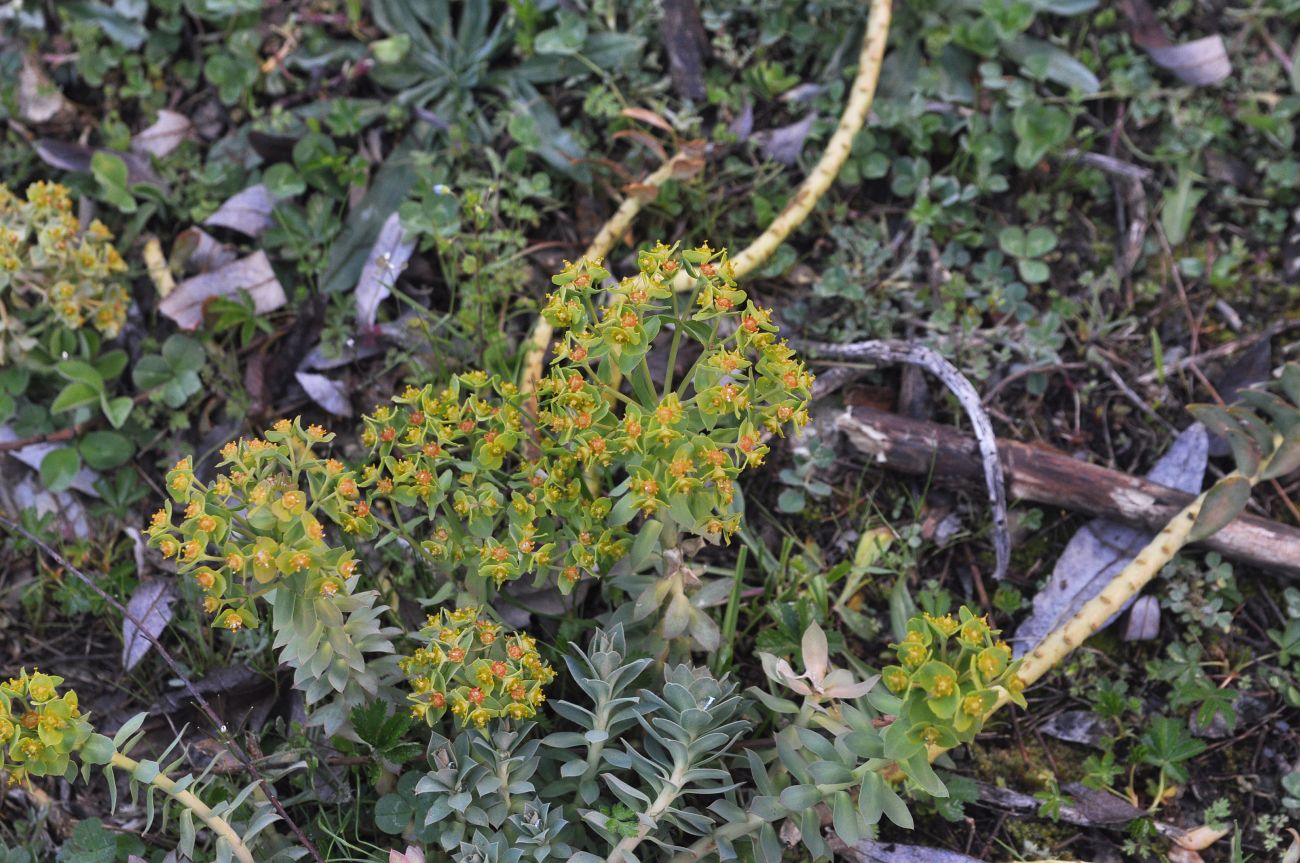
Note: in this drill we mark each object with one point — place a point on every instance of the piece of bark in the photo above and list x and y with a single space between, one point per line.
687 45
1047 477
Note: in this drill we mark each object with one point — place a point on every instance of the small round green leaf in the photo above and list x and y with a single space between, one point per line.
103 450
59 468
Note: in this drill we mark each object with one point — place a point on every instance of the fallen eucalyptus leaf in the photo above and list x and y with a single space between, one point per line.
1200 62
1101 548
1088 807
78 157
1078 726
164 136
329 394
386 261
1143 620
389 188
151 604
196 251
248 212
870 851
785 144
253 274
39 99
33 454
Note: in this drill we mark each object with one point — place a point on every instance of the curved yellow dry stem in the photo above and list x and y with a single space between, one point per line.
1128 583
214 822
801 204
837 149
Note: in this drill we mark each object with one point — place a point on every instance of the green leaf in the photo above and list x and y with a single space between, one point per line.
7 407
1222 504
393 813
117 410
111 174
184 354
1168 743
830 773
391 50
59 468
1033 272
282 181
1039 129
150 372
1286 457
92 842
644 544
74 395
791 500
76 370
104 450
796 798
97 749
565 38
1052 63
1180 206
111 364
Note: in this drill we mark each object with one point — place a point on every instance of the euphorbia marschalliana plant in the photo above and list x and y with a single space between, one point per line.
501 489
54 275
259 530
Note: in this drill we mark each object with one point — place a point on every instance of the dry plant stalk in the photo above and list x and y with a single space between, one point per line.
214 822
801 204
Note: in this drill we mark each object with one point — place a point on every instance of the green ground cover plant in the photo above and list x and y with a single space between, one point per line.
420 430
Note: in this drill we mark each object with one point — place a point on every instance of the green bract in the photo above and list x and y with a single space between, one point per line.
40 729
471 668
949 676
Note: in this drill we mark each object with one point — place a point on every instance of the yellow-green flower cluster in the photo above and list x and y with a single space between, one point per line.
681 446
501 504
550 487
261 524
39 728
472 668
52 272
948 674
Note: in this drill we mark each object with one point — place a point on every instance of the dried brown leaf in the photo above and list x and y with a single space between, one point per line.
185 305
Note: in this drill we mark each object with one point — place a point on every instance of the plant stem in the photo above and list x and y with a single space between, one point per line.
1062 641
672 789
214 822
705 844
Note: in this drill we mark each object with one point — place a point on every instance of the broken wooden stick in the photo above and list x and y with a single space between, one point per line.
1053 478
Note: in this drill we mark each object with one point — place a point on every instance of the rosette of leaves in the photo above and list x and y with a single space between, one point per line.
533 835
55 276
445 56
477 781
605 674
261 529
490 500
690 724
831 749
473 670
